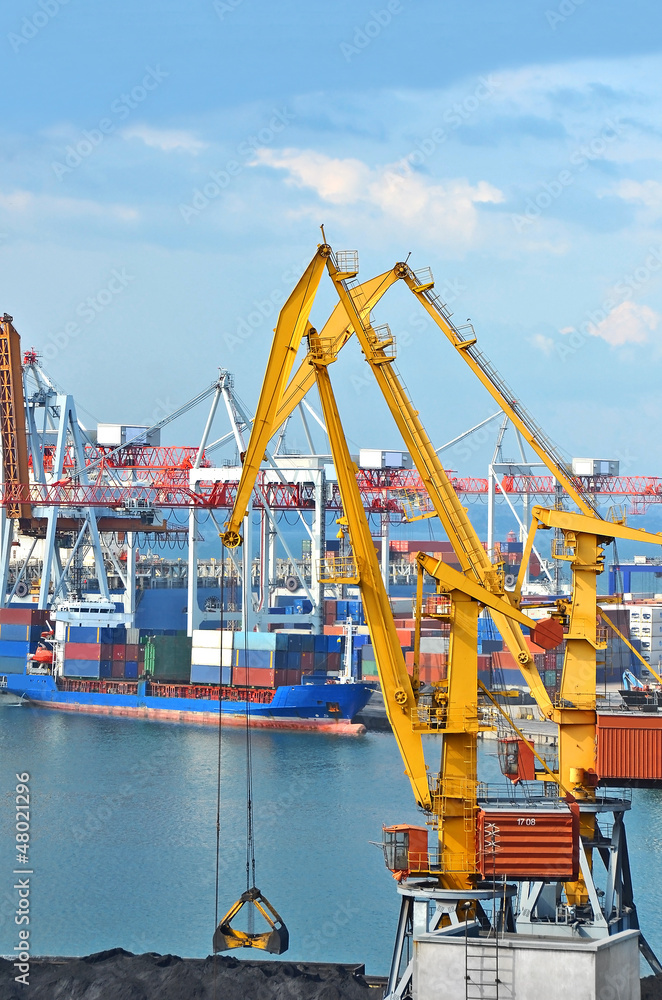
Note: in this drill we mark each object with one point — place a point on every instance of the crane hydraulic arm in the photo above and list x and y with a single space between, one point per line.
377 347
338 329
396 685
290 328
421 284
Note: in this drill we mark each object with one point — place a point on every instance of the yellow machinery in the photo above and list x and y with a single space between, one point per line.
450 798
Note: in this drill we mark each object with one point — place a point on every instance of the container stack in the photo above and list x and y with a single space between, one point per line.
20 632
88 651
168 658
211 657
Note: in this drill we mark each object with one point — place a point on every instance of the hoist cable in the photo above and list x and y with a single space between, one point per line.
218 767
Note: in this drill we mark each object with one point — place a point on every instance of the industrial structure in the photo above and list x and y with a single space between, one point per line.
537 848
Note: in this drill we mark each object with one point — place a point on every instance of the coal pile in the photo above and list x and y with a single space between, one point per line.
651 988
119 975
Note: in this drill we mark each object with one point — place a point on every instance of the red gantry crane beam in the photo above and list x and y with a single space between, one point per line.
380 490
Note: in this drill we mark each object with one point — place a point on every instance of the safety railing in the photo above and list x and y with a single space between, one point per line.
338 569
347 261
436 606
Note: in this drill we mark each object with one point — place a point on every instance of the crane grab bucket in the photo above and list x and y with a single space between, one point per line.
276 940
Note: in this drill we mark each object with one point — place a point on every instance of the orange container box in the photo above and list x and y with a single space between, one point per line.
630 748
529 843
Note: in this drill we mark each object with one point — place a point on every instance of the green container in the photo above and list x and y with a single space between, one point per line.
168 657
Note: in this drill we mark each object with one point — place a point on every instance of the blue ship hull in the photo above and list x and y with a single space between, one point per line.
321 707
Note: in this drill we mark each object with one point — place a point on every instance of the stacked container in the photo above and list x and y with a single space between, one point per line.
646 626
20 631
168 658
211 657
260 659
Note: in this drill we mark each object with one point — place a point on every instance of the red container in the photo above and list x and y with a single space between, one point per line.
293 677
132 650
24 616
534 843
484 663
255 676
82 651
117 668
630 747
308 662
119 652
333 662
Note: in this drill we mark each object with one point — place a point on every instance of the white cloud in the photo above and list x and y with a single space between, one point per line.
648 193
167 140
544 344
444 209
628 323
28 204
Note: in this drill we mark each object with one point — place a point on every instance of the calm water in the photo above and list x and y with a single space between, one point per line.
123 836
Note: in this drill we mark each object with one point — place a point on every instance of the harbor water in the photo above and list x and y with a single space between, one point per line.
123 836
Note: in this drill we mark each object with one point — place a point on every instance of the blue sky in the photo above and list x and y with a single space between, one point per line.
515 148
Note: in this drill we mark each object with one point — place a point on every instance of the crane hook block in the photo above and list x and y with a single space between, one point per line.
276 940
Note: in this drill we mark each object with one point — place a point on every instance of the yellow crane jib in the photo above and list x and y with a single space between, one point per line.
291 326
276 940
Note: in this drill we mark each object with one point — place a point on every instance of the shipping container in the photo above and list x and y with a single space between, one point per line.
201 673
24 616
213 639
13 664
119 652
270 641
168 657
531 843
87 651
117 668
629 747
89 633
254 659
13 649
131 670
93 669
21 633
262 678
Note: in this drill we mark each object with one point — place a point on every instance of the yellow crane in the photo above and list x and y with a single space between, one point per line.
450 798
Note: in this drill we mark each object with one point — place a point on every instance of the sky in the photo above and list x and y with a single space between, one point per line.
165 168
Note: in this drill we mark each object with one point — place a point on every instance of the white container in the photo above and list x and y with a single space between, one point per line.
211 657
212 639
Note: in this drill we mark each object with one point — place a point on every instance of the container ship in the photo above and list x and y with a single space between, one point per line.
281 680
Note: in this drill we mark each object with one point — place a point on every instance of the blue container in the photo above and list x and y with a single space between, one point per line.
83 633
257 658
13 664
20 633
319 661
119 634
307 643
280 659
360 640
319 643
294 660
83 668
13 649
335 643
131 670
105 668
341 610
201 674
